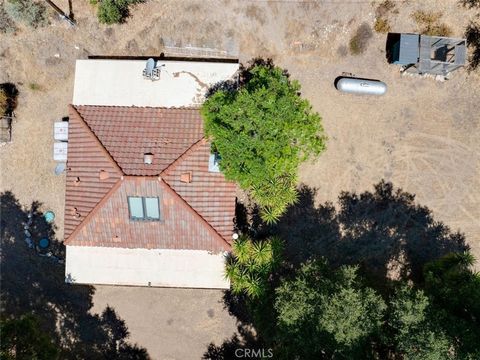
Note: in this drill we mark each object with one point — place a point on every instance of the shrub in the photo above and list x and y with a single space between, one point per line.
3 102
110 12
34 87
429 23
113 11
382 25
359 42
7 26
32 13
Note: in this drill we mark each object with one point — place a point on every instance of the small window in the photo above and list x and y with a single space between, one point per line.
213 162
135 204
144 208
151 208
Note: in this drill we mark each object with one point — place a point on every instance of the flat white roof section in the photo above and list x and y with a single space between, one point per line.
121 82
143 267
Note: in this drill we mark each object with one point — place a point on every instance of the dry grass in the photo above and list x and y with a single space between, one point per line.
382 25
429 24
253 12
384 8
34 87
3 102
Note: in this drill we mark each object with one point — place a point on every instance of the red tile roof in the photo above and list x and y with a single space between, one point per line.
208 192
129 132
112 140
86 158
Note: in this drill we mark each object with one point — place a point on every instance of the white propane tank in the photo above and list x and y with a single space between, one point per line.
361 86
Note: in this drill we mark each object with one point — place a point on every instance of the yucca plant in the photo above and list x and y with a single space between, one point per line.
274 198
251 264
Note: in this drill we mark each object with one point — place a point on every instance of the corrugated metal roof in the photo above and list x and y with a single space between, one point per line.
409 50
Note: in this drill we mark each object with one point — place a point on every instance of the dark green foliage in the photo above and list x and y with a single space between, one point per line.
113 11
415 334
263 130
23 339
455 289
312 312
30 12
251 264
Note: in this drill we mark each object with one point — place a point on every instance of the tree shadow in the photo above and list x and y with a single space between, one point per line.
11 92
472 34
36 284
470 4
234 348
384 231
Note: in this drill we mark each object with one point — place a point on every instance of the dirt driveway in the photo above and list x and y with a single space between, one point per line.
422 135
170 323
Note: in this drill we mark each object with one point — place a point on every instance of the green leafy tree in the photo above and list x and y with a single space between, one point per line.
455 290
251 265
321 311
262 131
416 334
23 339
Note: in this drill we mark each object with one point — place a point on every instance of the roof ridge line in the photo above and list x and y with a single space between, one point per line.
94 210
187 152
104 149
195 212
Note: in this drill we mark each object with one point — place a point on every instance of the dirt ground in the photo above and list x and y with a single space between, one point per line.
169 323
422 135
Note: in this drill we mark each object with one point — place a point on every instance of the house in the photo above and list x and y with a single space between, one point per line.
145 201
423 54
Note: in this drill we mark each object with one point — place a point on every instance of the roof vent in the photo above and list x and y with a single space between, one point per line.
77 181
186 177
74 212
148 158
103 175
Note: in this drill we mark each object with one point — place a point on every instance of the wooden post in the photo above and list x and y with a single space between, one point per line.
61 13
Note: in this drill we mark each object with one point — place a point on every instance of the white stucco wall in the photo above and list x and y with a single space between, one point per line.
160 267
121 83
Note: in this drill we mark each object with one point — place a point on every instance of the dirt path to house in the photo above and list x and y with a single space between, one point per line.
422 135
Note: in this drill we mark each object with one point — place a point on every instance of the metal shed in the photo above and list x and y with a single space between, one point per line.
425 54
